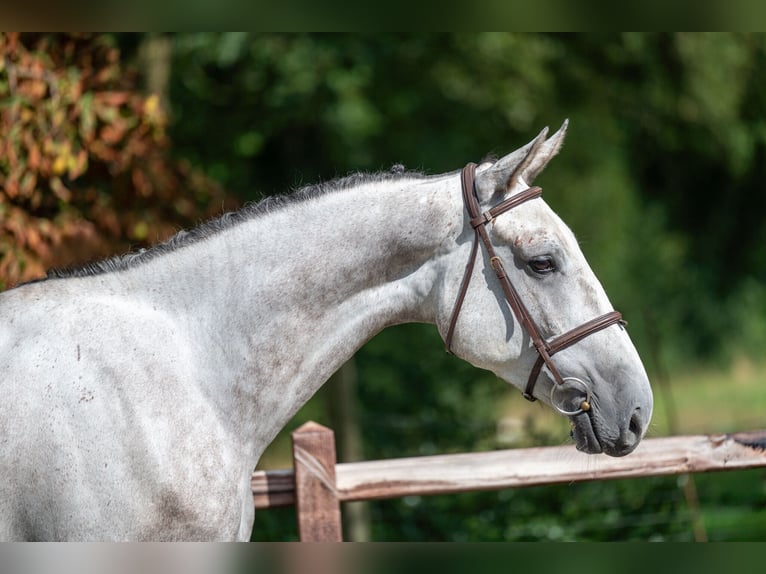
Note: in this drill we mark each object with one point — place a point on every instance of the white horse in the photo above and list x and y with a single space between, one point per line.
138 393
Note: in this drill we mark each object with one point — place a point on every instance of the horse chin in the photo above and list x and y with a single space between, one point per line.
584 435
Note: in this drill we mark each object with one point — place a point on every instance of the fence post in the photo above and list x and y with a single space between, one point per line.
316 498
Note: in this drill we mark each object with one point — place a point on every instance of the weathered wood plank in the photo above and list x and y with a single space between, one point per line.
547 465
273 488
316 496
445 474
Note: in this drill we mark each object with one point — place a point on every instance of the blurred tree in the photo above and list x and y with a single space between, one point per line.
84 168
293 108
688 114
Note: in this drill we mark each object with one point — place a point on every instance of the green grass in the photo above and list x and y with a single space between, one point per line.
734 523
714 400
698 401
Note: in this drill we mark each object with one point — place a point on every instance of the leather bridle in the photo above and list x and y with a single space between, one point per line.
545 349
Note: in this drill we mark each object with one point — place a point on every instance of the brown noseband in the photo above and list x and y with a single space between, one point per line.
545 349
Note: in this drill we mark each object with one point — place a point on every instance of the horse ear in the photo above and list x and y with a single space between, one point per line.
547 151
526 162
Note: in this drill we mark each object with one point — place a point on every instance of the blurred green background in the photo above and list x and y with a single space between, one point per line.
661 179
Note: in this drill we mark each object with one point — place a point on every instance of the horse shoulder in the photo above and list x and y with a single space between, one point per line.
103 401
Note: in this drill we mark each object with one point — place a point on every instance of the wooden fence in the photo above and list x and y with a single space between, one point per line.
317 484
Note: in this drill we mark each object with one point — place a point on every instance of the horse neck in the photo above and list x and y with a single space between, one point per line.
288 297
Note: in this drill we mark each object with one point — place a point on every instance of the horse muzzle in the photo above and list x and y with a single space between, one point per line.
592 436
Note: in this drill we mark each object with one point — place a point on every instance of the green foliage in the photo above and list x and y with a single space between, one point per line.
322 105
454 402
646 509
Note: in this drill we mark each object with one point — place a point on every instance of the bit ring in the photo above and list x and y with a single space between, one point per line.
584 405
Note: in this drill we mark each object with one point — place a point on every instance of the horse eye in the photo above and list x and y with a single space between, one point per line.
542 265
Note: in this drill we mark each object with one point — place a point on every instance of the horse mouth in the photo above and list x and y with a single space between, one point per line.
584 434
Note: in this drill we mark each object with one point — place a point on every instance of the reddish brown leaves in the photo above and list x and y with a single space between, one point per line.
84 163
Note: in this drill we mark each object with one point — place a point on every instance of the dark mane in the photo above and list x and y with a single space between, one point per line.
228 220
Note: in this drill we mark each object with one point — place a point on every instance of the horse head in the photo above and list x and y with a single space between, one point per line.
532 311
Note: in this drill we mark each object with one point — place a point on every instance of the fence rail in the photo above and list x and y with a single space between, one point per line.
317 485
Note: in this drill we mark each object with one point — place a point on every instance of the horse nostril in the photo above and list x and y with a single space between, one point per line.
635 427
630 435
